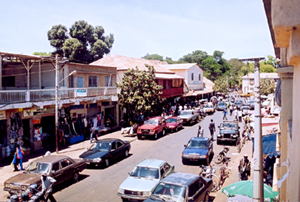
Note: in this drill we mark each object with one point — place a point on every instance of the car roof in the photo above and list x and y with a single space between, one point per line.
50 158
107 140
199 138
151 163
180 178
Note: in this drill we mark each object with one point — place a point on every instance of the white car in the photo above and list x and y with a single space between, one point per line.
141 182
209 108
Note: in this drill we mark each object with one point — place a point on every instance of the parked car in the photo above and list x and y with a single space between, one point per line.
61 168
229 131
221 106
174 123
238 104
252 104
141 182
197 149
189 116
209 108
105 150
245 110
182 187
152 128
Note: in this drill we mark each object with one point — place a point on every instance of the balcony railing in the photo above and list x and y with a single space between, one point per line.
172 92
19 96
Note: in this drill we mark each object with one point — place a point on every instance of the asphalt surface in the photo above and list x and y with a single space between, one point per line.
101 184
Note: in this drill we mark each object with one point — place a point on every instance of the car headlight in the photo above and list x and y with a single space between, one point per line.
185 155
97 160
7 185
24 187
147 193
121 191
140 130
172 126
203 156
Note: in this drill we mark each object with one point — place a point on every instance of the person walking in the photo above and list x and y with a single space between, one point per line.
47 183
240 114
15 162
20 153
200 132
212 128
244 168
224 114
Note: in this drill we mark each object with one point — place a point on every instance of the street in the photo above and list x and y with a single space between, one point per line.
101 184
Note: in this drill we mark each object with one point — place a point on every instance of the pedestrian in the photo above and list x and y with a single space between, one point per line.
240 114
15 162
235 113
200 132
231 109
224 114
94 134
47 183
244 168
20 153
212 128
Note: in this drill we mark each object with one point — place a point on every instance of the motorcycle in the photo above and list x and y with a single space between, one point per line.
222 157
31 196
209 172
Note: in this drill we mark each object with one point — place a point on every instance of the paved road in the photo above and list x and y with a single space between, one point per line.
102 184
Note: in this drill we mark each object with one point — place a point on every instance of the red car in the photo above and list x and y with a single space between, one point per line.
174 123
152 127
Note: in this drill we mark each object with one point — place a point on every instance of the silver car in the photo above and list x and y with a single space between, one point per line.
141 182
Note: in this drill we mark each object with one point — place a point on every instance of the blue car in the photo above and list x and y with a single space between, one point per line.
198 149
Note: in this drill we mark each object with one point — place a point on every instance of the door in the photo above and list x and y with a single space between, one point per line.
67 168
56 173
79 82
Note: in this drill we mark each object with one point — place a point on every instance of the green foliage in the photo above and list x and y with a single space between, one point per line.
196 56
221 85
267 86
87 43
43 54
267 68
139 91
153 57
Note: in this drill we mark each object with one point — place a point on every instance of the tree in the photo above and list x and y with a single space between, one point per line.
267 68
212 68
196 56
139 91
85 45
267 86
235 72
153 57
221 85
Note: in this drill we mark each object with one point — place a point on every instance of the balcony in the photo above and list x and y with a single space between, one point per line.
172 92
21 96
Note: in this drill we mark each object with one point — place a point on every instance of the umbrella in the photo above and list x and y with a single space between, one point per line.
246 188
239 198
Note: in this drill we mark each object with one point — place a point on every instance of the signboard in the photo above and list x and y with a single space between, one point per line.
114 98
2 115
38 111
196 82
81 92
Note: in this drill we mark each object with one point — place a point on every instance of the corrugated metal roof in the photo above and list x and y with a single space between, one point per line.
22 56
180 66
123 63
262 76
167 76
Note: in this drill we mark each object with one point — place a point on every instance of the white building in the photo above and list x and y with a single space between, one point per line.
248 81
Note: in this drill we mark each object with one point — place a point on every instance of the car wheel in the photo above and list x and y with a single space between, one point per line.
75 176
218 142
155 136
126 154
184 162
106 162
163 132
176 129
139 137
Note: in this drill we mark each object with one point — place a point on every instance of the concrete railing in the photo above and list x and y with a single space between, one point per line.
19 96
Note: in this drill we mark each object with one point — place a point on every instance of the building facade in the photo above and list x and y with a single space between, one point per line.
248 81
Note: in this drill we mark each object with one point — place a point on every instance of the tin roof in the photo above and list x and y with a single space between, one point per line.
181 66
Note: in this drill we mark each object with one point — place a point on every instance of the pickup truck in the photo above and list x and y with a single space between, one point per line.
152 128
61 168
189 116
229 131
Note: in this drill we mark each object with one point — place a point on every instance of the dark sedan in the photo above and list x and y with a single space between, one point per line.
105 150
197 149
174 123
182 187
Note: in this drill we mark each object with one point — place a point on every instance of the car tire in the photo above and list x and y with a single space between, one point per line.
218 142
139 137
75 176
155 136
176 129
163 132
106 161
184 162
126 153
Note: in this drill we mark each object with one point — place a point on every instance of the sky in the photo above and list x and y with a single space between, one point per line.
170 28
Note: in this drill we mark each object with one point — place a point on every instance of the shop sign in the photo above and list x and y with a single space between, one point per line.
196 82
38 111
2 115
81 92
114 98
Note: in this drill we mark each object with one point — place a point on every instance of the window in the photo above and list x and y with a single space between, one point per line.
199 77
119 144
65 163
108 81
8 81
71 81
93 81
192 76
55 167
167 167
162 172
113 146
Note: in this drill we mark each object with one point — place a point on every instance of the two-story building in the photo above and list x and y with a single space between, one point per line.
248 80
28 99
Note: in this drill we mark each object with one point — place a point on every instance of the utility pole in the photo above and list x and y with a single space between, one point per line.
56 102
258 191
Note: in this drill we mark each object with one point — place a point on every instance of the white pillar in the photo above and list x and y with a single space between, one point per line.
56 102
258 192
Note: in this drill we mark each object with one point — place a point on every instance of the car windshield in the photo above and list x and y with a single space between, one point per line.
197 144
229 125
145 172
151 122
251 102
245 108
186 113
169 192
171 120
208 106
36 167
103 146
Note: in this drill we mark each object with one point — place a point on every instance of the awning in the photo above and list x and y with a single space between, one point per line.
269 144
167 76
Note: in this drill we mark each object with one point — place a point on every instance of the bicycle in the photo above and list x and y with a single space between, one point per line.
224 173
210 173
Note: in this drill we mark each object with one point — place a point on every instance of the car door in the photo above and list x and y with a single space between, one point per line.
67 168
196 192
56 172
120 148
113 150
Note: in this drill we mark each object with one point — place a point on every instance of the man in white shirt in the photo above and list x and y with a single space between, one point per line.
47 183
